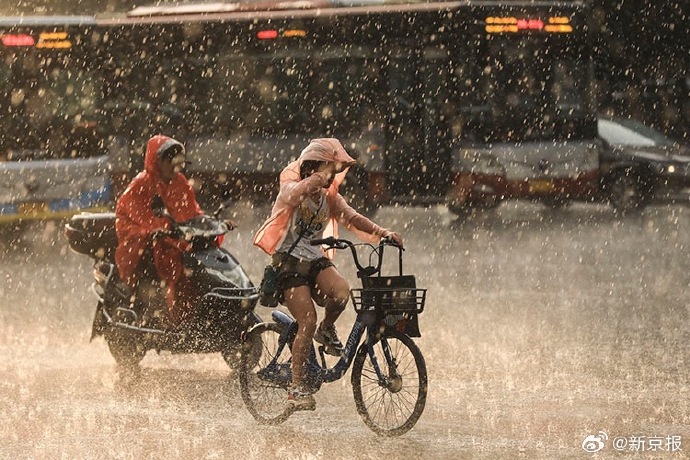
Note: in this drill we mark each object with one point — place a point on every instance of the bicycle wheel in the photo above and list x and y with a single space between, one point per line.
390 407
263 391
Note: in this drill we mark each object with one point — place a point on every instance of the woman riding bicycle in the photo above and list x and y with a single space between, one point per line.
309 206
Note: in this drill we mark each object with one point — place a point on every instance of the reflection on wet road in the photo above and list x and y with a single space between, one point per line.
542 327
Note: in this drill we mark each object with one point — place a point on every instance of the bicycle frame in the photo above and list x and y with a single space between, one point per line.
317 374
389 403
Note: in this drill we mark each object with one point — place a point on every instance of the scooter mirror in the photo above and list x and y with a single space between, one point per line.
222 206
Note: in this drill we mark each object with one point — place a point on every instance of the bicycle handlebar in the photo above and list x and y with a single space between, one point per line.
331 242
338 243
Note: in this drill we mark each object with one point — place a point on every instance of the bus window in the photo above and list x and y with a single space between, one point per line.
231 109
519 90
567 95
334 96
278 94
54 107
53 143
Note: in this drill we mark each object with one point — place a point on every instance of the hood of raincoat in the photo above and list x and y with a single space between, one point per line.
155 148
326 149
330 150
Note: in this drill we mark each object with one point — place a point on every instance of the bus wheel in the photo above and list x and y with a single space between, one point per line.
624 193
462 212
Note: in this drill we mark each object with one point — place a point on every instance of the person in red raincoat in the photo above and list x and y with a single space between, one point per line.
139 229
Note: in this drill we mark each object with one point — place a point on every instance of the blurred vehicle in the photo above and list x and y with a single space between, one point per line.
396 83
133 321
641 166
554 173
242 85
521 113
53 157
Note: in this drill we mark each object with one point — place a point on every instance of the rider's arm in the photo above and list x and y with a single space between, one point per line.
359 224
352 220
134 212
293 190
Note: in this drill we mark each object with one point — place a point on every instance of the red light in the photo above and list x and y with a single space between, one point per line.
267 34
532 24
18 40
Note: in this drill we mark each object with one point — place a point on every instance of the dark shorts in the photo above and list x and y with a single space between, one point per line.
293 272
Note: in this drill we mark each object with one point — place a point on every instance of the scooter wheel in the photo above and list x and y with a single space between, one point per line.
125 349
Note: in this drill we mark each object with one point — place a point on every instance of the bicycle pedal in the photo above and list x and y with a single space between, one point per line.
301 403
302 409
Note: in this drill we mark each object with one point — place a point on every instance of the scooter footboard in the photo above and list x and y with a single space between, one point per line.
233 294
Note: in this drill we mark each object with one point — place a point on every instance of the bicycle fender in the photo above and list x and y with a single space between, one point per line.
246 333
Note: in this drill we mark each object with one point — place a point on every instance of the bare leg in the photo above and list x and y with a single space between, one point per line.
332 292
299 303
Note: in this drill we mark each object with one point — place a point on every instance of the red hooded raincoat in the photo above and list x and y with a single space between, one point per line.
136 222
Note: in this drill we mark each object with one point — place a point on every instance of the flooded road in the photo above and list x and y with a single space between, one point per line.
542 327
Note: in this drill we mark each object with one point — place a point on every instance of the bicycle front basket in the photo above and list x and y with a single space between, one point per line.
390 294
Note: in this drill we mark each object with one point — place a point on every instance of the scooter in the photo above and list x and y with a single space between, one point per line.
132 321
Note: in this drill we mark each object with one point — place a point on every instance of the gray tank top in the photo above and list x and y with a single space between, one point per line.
310 218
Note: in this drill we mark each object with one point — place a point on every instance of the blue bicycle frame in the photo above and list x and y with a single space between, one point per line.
315 373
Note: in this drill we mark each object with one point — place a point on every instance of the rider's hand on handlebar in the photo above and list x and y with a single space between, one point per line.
395 237
231 225
160 233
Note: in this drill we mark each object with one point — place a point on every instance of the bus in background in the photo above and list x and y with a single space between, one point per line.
53 160
457 103
522 90
246 91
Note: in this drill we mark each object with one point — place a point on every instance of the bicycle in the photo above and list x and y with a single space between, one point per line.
389 377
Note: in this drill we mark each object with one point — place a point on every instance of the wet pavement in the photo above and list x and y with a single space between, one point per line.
542 327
